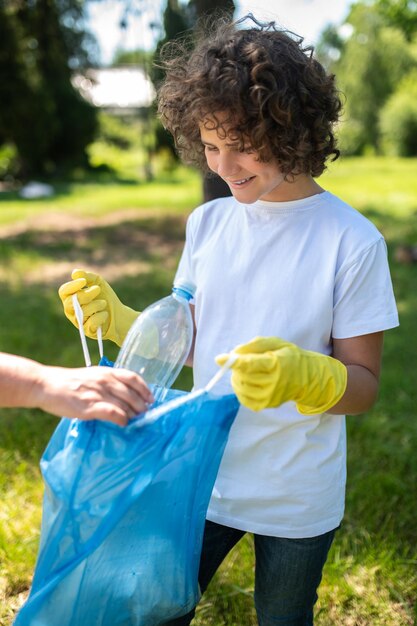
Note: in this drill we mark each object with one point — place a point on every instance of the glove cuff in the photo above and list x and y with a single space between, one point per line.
334 383
125 318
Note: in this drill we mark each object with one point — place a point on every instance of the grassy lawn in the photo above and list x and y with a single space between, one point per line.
92 198
132 233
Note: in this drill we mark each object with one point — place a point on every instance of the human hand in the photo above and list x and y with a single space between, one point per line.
105 393
100 304
269 371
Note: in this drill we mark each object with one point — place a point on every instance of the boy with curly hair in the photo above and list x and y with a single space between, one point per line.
283 261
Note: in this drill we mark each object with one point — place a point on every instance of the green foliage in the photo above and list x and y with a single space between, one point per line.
8 161
375 57
401 14
179 19
350 136
330 46
40 111
126 147
165 143
370 52
117 131
398 119
142 58
176 23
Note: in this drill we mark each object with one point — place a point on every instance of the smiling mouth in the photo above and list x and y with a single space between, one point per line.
240 182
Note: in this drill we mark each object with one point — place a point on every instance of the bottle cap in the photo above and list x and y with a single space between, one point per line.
185 287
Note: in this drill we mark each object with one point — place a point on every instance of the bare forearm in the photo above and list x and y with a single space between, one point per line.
190 358
361 392
110 394
18 380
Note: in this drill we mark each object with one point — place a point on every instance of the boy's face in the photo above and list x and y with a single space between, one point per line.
248 178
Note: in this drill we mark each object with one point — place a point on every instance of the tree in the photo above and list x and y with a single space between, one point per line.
398 119
175 24
202 8
41 113
401 14
142 58
213 185
177 20
330 46
15 92
374 58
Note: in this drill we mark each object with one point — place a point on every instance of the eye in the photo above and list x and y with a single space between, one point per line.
210 148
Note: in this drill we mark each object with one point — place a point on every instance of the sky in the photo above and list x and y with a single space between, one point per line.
304 17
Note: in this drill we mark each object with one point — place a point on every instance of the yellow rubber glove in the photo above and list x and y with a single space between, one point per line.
270 371
100 305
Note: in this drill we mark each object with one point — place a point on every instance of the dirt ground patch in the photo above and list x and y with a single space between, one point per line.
66 221
46 249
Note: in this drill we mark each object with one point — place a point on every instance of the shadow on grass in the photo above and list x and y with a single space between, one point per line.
151 241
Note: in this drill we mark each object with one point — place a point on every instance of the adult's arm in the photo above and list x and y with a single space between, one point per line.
114 395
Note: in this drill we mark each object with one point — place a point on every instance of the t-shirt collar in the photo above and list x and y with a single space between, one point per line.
304 204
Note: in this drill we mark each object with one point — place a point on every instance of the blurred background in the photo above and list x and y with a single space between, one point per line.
85 68
89 178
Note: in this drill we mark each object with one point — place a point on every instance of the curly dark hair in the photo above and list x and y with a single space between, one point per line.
278 98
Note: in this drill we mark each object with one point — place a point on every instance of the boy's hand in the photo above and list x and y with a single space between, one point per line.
100 305
270 371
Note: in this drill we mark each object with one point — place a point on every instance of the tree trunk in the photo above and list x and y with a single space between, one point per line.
214 187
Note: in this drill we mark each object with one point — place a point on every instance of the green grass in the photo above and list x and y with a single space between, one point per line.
387 184
92 198
370 578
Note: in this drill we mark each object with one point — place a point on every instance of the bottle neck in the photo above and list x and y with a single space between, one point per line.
182 293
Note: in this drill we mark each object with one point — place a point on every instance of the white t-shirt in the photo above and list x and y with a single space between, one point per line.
307 271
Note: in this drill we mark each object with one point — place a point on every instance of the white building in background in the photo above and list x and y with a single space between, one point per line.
123 90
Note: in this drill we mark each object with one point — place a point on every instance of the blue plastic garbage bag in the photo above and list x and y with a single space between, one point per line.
123 515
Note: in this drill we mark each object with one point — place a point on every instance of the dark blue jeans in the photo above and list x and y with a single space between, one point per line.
287 573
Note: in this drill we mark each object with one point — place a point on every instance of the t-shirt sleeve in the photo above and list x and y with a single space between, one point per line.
363 297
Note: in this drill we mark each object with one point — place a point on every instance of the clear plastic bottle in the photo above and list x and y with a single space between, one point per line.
159 341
